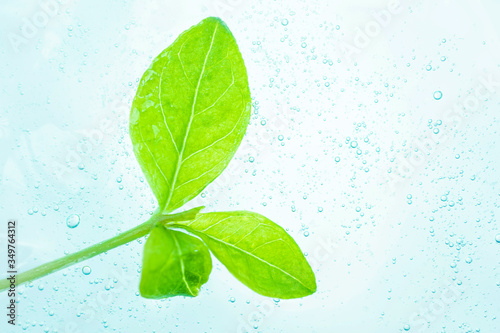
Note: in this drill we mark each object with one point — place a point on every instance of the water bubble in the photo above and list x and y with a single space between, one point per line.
304 45
337 159
320 209
468 260
497 238
263 122
81 166
437 95
306 233
73 221
280 137
406 327
118 179
284 22
86 270
232 300
354 144
251 159
428 67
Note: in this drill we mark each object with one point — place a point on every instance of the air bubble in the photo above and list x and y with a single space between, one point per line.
437 95
73 221
86 270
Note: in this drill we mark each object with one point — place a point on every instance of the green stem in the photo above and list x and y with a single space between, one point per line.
121 239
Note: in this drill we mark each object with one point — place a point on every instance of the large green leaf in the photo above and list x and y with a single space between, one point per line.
257 252
174 264
190 113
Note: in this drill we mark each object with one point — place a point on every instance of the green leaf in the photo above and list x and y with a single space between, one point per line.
190 113
174 264
257 252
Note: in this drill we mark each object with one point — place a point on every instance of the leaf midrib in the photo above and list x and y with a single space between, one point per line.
182 263
179 160
260 259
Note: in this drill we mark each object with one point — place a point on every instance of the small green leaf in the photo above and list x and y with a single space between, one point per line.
257 252
174 264
190 113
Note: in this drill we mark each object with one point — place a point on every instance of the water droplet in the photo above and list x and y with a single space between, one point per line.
337 159
304 45
497 238
262 122
73 221
280 137
81 166
354 144
437 95
284 22
406 327
118 179
428 67
232 300
306 233
468 260
251 159
86 270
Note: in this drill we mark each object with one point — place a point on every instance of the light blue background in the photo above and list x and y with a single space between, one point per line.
382 260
